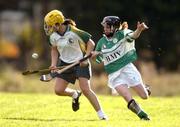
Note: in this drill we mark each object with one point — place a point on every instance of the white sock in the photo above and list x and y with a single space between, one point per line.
75 95
101 114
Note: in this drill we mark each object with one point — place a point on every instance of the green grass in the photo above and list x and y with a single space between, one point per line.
47 110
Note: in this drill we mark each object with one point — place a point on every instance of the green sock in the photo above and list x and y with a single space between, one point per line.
142 114
134 107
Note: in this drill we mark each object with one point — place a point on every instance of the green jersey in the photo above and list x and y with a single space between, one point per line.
117 51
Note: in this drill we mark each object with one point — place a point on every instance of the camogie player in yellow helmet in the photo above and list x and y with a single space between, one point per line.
68 45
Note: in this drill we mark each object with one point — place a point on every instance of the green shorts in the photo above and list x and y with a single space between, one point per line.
74 73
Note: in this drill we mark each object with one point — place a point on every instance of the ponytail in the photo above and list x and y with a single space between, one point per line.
124 25
69 22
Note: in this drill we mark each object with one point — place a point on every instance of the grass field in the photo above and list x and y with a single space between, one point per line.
48 110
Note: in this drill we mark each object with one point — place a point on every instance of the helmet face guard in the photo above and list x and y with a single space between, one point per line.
113 22
51 20
48 29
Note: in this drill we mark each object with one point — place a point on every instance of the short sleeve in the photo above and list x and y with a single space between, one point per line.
128 35
52 40
85 36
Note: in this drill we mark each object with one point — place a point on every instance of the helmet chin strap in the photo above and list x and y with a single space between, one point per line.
111 33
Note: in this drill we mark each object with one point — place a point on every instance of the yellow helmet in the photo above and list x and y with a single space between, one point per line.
51 19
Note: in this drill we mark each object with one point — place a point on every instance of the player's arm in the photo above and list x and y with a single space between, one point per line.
87 44
54 51
96 52
90 47
96 55
140 27
54 57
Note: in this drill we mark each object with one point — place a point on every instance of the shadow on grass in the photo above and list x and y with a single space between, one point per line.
47 120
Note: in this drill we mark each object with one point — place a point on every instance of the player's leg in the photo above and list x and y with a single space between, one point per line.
134 80
126 75
132 104
61 88
134 107
124 92
141 91
137 83
84 74
148 88
62 81
84 84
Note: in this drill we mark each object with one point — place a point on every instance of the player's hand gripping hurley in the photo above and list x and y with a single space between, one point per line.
50 76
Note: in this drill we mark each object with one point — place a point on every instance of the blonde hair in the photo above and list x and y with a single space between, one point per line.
69 22
124 25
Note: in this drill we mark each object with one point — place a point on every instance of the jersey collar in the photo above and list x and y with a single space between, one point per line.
67 29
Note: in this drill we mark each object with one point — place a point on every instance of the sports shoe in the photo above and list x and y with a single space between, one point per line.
104 118
142 115
75 102
147 87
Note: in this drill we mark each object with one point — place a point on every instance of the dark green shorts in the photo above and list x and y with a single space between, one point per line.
74 73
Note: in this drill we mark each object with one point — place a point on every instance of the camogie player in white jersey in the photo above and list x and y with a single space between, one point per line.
117 51
68 45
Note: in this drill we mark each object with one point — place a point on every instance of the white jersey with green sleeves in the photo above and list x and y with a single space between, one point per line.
71 45
117 51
